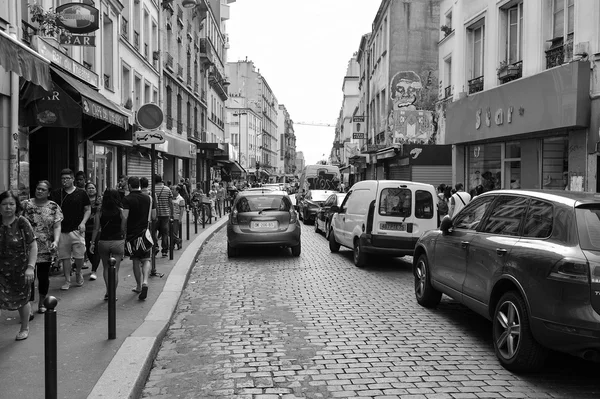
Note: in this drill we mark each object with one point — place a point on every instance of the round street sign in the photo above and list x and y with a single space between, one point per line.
150 116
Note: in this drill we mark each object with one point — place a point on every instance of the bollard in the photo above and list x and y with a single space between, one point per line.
203 216
210 215
187 224
112 299
171 239
195 220
50 347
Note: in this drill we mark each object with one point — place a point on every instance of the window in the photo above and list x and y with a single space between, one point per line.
138 91
126 85
476 40
470 217
107 33
147 98
555 163
538 223
358 203
448 77
395 202
515 34
506 216
484 163
448 19
169 99
563 22
423 205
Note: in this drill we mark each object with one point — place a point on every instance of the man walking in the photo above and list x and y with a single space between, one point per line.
459 200
164 211
76 208
138 209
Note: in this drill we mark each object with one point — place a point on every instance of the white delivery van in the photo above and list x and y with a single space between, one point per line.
384 217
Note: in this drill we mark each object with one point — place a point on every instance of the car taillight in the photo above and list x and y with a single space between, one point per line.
293 216
234 217
370 217
574 270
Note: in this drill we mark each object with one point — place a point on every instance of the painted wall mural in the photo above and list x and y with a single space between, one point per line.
410 120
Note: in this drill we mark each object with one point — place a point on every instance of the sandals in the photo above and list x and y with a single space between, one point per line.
41 309
21 335
144 292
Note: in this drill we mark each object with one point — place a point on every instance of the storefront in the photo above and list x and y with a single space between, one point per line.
423 163
178 159
532 133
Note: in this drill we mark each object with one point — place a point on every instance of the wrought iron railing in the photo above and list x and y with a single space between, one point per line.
511 72
136 39
196 87
27 32
560 54
124 27
169 122
146 50
169 62
107 81
179 70
179 127
475 85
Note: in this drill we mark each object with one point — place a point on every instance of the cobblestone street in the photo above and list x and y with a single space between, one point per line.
267 325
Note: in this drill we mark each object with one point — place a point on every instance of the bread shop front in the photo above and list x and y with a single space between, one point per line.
532 133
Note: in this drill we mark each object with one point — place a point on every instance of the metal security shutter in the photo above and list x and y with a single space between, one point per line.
397 172
434 175
139 166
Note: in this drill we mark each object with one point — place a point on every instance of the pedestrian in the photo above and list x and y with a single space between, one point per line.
163 197
442 203
80 179
220 197
95 204
139 209
459 200
183 190
45 216
110 223
18 255
212 196
144 186
122 186
75 205
178 209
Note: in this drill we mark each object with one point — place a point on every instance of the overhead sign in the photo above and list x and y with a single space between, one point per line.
78 17
150 116
358 127
358 119
65 62
149 137
78 40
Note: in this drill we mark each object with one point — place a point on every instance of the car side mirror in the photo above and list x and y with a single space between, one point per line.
335 209
446 224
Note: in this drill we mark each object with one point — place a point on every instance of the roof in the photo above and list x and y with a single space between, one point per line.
573 198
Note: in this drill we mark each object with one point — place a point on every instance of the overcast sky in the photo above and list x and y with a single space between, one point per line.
302 48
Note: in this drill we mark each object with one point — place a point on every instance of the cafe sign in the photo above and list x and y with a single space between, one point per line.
78 17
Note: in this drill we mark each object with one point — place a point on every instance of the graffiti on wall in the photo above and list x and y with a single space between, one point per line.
409 121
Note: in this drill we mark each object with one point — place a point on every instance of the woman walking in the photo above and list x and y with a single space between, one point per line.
44 216
109 229
18 253
96 203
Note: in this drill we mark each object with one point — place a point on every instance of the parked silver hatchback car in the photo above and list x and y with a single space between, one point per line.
527 260
263 218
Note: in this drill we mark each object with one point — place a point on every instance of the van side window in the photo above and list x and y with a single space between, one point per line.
395 202
423 205
358 203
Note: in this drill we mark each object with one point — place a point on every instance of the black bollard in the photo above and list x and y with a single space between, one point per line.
187 224
203 216
210 215
112 299
171 239
50 347
195 220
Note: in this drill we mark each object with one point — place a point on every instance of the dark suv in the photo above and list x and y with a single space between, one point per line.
527 260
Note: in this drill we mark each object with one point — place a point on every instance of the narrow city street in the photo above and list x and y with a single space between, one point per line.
269 325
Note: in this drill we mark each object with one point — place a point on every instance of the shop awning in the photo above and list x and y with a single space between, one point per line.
236 167
72 103
25 62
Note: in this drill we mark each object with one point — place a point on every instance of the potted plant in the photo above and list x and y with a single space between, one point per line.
47 21
446 29
506 70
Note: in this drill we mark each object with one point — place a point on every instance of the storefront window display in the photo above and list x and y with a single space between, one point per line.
555 163
484 166
512 165
101 167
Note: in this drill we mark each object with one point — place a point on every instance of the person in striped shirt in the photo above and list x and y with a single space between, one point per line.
163 197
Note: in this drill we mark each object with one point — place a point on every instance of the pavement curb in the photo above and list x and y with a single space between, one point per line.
127 372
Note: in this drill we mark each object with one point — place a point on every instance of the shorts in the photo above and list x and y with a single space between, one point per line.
147 257
71 245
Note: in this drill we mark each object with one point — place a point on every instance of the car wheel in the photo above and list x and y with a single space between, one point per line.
300 212
296 250
231 251
304 219
317 226
427 296
327 230
514 344
360 257
334 246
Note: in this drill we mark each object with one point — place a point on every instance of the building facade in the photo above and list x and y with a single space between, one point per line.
286 160
522 93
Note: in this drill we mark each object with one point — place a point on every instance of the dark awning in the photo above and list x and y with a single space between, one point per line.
102 119
20 59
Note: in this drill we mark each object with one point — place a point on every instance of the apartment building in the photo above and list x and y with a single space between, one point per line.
521 92
286 151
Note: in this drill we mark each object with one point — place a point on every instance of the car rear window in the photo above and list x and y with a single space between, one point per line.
255 203
588 225
395 202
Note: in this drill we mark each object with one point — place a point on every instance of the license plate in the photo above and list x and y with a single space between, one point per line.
264 225
393 226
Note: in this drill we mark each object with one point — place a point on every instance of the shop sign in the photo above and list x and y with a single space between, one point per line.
498 116
78 40
78 17
99 111
373 148
67 63
359 128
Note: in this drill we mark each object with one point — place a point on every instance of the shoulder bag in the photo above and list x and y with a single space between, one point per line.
138 246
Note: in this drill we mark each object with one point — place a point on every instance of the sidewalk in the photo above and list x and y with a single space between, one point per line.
90 365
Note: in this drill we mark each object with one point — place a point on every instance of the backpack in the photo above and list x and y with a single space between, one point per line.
442 207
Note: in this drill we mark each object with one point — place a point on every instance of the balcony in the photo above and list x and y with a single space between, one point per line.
510 72
475 85
146 54
203 136
169 122
203 95
169 62
107 82
189 131
217 82
28 32
180 127
189 81
196 87
136 39
179 71
448 91
125 28
206 53
559 53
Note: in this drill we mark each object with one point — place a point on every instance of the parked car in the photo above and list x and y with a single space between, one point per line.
527 260
324 213
263 218
384 217
309 203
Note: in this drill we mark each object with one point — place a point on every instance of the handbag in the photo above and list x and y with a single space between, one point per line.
138 246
